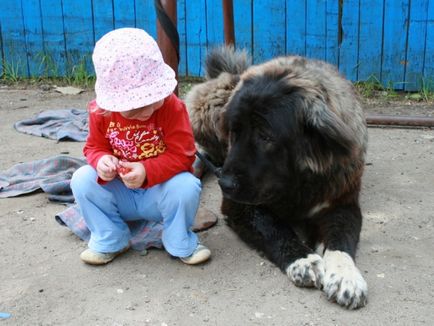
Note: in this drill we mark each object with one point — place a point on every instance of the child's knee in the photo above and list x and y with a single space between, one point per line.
185 185
83 178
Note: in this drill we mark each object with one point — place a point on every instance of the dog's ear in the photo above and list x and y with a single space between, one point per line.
326 138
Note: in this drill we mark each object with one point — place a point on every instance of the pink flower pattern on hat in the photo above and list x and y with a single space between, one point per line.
130 71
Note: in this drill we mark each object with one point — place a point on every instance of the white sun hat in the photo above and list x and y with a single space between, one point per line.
130 71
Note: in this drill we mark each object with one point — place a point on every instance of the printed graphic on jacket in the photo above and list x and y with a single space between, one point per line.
135 142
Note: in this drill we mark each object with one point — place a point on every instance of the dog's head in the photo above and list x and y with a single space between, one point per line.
279 130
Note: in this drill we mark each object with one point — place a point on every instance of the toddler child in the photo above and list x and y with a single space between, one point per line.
140 151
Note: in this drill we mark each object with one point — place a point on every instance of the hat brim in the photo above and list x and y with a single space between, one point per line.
130 99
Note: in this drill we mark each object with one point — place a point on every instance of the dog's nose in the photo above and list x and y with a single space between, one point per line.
228 184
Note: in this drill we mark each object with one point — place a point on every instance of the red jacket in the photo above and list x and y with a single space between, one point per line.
164 143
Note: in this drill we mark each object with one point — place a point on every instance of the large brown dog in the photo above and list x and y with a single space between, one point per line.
291 138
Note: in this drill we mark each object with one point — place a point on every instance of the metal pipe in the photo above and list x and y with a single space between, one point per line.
228 22
401 120
168 43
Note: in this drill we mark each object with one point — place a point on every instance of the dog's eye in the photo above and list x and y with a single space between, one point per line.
266 137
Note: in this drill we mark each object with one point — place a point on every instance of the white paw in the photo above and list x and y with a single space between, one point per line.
307 272
343 282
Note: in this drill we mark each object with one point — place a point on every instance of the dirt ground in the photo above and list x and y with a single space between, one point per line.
43 281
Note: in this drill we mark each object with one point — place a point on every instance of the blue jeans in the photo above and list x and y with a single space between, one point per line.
105 209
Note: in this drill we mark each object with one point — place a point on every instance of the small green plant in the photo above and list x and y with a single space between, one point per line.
425 94
47 65
427 90
79 75
11 71
370 87
186 83
390 91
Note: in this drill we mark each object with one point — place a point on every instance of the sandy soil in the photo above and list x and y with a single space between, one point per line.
43 281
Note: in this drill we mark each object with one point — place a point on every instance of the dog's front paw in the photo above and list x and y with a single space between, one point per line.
307 272
343 282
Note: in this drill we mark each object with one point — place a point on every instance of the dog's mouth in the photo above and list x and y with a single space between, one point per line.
233 190
240 200
243 199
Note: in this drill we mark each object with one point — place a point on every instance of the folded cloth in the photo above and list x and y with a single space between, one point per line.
144 234
65 124
51 175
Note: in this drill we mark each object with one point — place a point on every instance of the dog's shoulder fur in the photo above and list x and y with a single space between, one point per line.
206 101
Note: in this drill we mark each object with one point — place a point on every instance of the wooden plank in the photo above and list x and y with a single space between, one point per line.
269 21
243 25
296 27
332 32
370 40
79 37
103 19
429 49
124 13
214 23
196 33
14 41
349 49
146 17
394 43
182 31
416 44
54 42
316 29
33 31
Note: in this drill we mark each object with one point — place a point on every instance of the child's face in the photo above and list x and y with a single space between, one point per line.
143 113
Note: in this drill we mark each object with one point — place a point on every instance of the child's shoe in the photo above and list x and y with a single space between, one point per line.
100 258
199 255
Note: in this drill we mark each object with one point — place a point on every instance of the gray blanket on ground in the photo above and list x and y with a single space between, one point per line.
66 124
53 176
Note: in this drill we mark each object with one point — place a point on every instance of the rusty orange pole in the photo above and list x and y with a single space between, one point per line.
166 45
228 22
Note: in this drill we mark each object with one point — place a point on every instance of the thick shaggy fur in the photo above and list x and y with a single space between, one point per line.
291 138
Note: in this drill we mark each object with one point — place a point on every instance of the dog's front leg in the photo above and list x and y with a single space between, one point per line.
281 245
343 282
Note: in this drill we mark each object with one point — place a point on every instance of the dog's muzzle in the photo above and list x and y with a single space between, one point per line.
228 184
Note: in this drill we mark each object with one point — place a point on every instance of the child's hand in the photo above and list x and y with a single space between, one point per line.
133 174
106 167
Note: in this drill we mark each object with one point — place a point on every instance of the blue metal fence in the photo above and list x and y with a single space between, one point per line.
390 41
